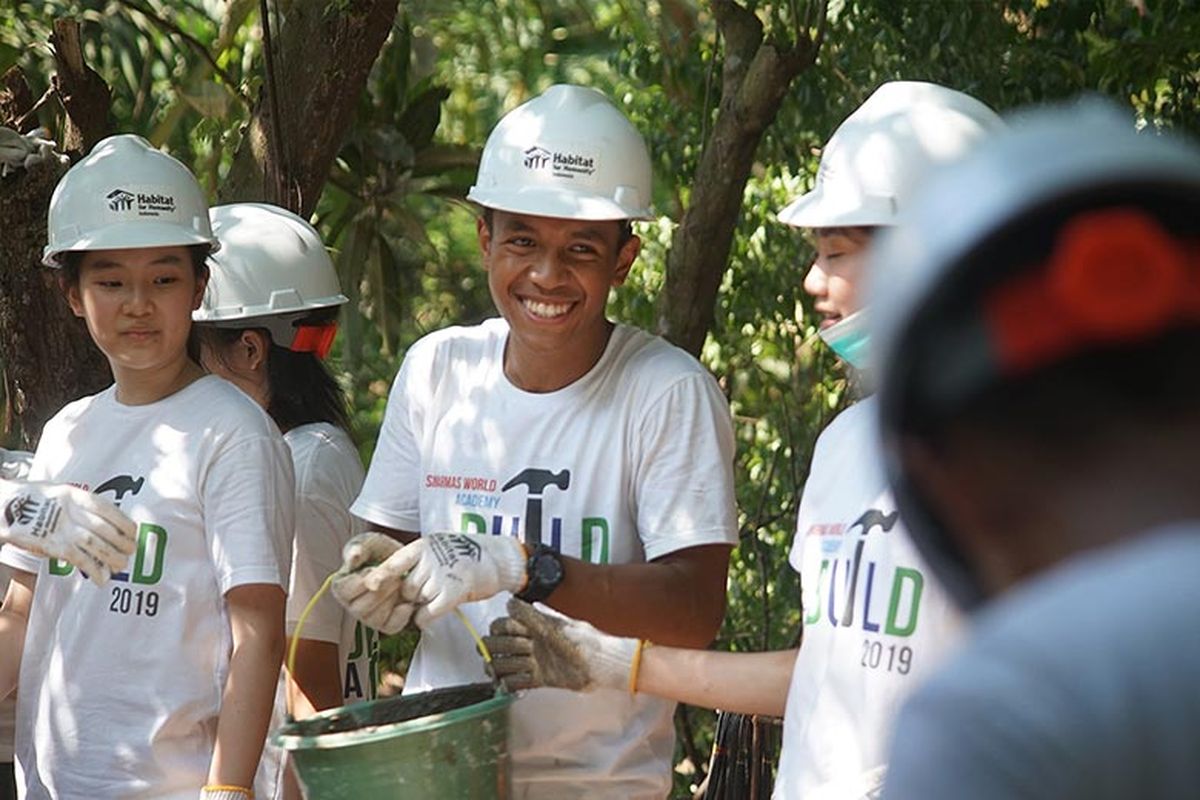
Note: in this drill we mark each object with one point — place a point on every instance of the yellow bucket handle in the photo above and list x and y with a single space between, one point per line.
291 658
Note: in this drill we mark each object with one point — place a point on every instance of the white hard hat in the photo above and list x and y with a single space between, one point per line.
1029 252
126 194
566 153
878 155
272 271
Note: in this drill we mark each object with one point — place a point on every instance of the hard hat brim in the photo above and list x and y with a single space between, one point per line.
821 209
546 201
129 235
244 316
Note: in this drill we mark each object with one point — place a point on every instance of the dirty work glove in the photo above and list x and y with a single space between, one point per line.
68 523
443 570
367 593
531 649
22 151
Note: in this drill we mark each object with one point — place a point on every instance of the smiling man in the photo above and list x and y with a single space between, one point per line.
553 454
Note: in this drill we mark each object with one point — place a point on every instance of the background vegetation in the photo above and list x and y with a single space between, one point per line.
186 73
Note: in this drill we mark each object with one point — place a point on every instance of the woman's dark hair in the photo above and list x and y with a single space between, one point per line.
72 260
301 389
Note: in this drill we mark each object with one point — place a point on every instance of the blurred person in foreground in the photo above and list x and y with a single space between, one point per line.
1040 412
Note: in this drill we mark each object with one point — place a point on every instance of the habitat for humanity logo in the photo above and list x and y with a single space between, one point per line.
146 204
20 510
537 157
562 164
120 200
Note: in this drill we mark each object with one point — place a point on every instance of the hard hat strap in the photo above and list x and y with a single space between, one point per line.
315 339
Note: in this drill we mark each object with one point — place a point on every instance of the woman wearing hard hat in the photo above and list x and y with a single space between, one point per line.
161 683
267 322
1039 402
873 623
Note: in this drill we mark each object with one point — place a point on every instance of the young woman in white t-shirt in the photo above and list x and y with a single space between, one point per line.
267 321
838 692
161 682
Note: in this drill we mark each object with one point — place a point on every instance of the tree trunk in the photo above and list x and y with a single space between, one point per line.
323 58
755 76
48 358
84 94
16 100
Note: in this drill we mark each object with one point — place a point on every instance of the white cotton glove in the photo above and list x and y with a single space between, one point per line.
68 523
441 571
15 464
530 649
366 589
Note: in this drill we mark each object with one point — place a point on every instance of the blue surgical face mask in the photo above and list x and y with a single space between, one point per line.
849 338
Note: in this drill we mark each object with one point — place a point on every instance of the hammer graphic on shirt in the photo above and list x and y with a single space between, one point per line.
537 480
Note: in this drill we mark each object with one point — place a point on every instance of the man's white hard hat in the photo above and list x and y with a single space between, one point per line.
126 194
272 270
566 153
881 152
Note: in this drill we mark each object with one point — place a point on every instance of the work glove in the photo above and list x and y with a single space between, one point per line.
15 464
530 649
22 151
366 589
441 571
67 523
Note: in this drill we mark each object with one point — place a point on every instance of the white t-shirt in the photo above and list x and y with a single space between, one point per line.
1078 685
8 706
875 620
120 685
14 465
637 460
328 478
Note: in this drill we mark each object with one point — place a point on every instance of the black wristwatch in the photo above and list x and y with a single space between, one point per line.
544 572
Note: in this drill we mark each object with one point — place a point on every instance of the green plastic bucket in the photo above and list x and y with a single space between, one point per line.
446 743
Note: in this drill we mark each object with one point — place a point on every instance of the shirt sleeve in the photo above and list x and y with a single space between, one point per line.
390 494
684 480
19 559
323 526
249 505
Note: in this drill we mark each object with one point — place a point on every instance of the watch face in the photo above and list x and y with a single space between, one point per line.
545 574
547 570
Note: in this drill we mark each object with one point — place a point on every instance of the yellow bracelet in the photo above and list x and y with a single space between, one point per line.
636 666
219 788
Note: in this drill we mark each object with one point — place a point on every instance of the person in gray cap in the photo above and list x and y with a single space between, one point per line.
1037 332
